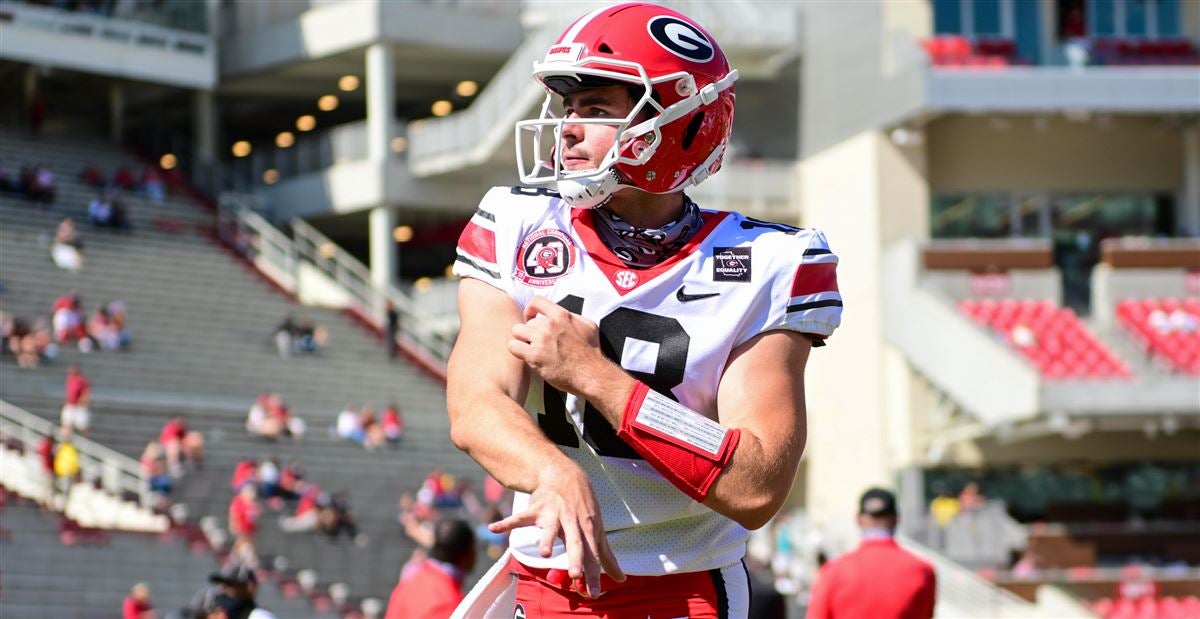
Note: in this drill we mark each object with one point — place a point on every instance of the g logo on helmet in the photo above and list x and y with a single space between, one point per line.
680 38
545 256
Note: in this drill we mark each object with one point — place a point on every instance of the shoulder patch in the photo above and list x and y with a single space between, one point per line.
545 256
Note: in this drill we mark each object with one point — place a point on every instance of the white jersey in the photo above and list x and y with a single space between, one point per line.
672 326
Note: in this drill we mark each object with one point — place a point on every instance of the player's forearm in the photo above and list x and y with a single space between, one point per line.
503 439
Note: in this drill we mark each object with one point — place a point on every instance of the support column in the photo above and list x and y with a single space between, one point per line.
204 138
116 112
381 102
1188 221
384 264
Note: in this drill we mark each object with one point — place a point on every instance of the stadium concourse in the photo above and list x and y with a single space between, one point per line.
1013 189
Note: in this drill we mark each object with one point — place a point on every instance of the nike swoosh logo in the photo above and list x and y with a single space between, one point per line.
685 297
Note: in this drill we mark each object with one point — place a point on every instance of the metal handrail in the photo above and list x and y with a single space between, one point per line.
135 33
118 473
278 256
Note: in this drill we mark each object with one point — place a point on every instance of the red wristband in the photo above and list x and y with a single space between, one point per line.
687 448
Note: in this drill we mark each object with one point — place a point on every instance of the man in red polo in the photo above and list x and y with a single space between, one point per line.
434 588
879 579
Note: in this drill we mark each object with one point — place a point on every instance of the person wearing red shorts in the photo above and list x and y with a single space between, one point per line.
632 364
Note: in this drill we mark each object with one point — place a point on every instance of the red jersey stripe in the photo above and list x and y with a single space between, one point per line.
812 278
478 242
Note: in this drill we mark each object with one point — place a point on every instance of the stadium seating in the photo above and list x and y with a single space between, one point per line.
42 577
201 324
1125 51
1054 340
959 51
1147 608
1148 321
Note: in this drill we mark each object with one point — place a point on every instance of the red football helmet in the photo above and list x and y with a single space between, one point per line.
685 80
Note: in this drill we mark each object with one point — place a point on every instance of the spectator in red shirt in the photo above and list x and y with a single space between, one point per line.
171 439
137 604
45 452
245 472
393 424
244 513
76 415
434 587
124 179
92 176
879 579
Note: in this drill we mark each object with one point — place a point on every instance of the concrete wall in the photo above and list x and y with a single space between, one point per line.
1110 285
1025 284
1134 153
861 68
1099 447
864 192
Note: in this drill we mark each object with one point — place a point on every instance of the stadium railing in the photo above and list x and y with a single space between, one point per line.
118 474
279 257
963 593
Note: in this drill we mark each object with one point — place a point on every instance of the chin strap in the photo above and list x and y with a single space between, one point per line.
590 192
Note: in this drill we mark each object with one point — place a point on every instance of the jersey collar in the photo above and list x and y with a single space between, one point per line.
623 278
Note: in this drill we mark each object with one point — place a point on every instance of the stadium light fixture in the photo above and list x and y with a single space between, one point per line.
441 107
241 148
327 103
423 284
449 271
399 143
167 162
306 123
402 234
271 176
285 139
348 83
466 88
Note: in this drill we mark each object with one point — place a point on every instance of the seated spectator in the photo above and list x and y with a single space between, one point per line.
372 431
155 469
105 331
334 517
971 498
76 416
246 471
268 478
29 345
67 249
291 481
41 189
137 604
100 210
171 439
349 424
68 322
123 178
306 514
284 337
257 415
8 182
92 176
392 424
439 490
309 337
152 184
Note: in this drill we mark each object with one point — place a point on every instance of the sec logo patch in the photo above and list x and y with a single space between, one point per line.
544 257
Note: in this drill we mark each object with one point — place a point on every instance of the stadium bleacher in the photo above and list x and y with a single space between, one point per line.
193 354
1055 340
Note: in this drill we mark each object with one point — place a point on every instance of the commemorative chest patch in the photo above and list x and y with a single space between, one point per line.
731 264
545 257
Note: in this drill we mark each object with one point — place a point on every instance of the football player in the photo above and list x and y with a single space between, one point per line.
631 363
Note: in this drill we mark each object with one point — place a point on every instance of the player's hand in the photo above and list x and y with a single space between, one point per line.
562 347
564 506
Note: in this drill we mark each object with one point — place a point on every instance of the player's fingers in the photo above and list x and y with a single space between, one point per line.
523 332
542 305
549 534
514 521
576 559
520 350
591 564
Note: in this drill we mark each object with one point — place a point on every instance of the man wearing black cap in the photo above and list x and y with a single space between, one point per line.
232 597
879 579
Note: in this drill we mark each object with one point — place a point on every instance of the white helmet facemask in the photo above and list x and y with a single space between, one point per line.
539 162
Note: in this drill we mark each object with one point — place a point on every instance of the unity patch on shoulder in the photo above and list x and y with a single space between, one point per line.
731 264
545 256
